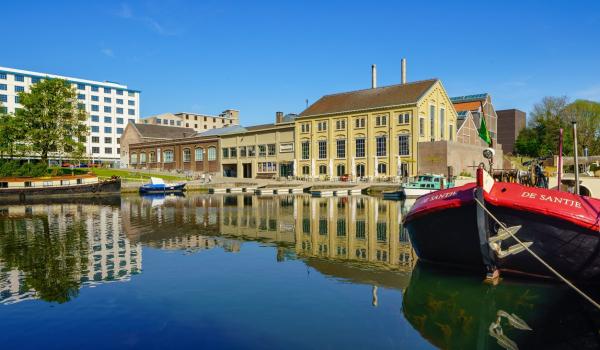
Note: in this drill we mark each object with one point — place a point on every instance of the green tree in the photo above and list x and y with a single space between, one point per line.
528 143
587 116
10 136
51 119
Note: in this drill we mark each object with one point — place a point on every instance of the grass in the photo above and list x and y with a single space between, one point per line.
127 175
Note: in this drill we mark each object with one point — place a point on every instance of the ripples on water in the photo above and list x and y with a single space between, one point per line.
249 272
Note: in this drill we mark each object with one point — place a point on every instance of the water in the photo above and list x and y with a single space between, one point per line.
247 272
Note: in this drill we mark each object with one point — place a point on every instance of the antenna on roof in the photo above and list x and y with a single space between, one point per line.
306 103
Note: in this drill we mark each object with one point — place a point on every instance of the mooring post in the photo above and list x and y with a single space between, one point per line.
576 157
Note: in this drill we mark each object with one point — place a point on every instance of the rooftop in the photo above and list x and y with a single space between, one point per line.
469 98
387 96
163 131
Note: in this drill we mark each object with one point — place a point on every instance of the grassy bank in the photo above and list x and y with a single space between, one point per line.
127 175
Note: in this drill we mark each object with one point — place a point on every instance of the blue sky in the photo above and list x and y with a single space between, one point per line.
263 57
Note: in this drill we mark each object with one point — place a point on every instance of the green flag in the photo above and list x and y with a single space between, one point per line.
484 133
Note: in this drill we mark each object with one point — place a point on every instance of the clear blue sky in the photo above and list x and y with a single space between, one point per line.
262 57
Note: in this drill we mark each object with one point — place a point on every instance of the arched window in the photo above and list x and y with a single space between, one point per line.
152 157
322 169
305 170
212 153
360 170
133 158
382 168
187 155
341 170
168 156
142 158
199 154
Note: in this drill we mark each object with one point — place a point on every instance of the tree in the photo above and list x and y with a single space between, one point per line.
51 119
10 136
587 116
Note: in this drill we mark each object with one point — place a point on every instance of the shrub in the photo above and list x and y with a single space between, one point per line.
15 168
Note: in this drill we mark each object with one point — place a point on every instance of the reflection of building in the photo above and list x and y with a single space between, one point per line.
89 236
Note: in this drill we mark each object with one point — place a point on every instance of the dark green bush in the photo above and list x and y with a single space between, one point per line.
15 168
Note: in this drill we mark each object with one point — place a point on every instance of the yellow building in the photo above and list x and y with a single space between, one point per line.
372 132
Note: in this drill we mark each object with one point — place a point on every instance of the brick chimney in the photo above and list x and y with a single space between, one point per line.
278 117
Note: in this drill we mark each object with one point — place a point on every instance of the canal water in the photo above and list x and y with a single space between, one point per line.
240 271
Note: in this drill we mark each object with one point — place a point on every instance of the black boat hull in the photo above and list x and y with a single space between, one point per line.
570 249
110 187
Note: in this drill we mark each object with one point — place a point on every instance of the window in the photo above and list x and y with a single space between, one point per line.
19 88
262 150
35 80
381 120
382 168
251 151
95 98
107 100
131 103
131 111
107 119
107 90
305 146
108 140
80 96
340 146
95 108
422 127
199 156
305 170
95 139
133 158
119 131
212 153
119 120
3 76
3 98
305 127
119 110
340 124
359 123
152 156
341 170
187 155
142 158
225 152
360 170
179 123
95 128
322 169
118 140
107 129
107 109
17 99
381 146
322 149
108 150
120 93
322 126
451 132
404 118
442 122
271 149
19 78
131 93
3 87
119 101
233 152
95 149
131 120
404 145
360 147
171 122
432 122
242 151
80 86
168 156
94 88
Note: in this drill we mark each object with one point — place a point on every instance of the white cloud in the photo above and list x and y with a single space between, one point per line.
126 12
107 52
591 93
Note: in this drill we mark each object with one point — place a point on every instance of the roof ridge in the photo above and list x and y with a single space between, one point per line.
382 87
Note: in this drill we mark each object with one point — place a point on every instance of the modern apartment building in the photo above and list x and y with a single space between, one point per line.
110 107
198 122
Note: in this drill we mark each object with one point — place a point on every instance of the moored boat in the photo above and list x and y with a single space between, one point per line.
157 185
24 188
422 185
452 227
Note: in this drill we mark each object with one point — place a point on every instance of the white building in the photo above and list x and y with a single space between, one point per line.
110 107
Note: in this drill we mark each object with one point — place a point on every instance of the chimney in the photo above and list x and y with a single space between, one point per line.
373 76
404 71
278 117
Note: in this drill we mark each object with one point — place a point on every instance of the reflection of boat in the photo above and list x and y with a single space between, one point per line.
24 188
423 184
450 227
158 199
157 185
457 311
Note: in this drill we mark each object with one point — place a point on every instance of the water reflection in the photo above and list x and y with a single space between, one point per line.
49 252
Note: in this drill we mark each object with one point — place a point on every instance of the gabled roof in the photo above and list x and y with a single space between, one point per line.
162 131
467 106
387 96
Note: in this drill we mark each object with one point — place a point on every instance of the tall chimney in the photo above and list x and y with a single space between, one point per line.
404 71
373 76
278 117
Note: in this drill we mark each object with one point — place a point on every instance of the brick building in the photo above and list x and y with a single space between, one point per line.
510 124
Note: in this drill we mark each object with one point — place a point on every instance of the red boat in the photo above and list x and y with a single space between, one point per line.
450 227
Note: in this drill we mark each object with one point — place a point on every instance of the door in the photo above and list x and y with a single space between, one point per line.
247 170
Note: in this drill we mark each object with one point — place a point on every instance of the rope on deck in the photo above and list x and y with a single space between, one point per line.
569 283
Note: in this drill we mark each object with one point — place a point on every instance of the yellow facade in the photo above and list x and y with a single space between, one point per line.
411 121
